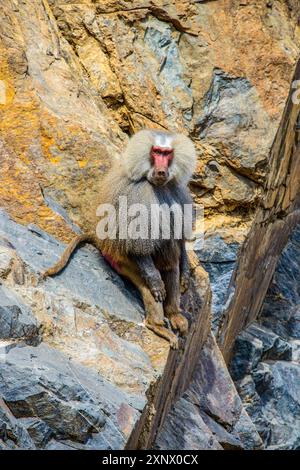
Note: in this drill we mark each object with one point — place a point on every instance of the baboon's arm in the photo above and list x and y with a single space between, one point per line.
151 276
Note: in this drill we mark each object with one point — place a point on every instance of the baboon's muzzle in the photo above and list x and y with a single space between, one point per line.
161 158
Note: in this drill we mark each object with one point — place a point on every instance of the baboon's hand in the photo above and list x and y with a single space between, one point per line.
185 281
152 277
157 289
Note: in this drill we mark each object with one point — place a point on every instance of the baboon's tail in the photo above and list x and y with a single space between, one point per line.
63 261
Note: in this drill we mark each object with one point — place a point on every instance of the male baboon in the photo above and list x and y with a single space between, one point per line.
154 170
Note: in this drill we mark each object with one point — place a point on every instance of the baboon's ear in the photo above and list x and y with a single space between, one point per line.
136 158
185 158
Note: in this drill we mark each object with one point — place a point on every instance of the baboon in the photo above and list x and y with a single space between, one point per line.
154 170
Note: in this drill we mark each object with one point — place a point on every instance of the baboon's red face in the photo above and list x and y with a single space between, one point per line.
161 158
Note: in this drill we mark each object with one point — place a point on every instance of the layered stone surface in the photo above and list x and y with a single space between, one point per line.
266 361
77 363
76 78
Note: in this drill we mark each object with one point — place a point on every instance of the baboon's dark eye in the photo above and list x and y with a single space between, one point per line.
162 152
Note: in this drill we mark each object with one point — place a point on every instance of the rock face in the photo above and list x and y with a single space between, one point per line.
266 361
276 217
76 75
209 415
99 379
78 367
219 259
59 400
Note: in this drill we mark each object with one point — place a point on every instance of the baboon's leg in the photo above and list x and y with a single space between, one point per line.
154 309
172 301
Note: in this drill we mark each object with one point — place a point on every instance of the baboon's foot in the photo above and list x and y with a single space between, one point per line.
180 323
164 333
184 281
155 317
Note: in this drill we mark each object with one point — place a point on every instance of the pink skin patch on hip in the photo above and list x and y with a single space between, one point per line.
112 262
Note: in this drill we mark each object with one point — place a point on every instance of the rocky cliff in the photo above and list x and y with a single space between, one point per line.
265 362
78 367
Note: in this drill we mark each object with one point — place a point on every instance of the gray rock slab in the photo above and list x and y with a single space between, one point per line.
54 397
266 362
87 277
210 414
16 318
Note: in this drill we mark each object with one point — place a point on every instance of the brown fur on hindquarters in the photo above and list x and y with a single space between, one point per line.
153 265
